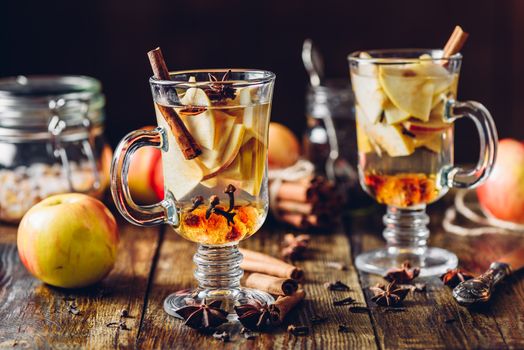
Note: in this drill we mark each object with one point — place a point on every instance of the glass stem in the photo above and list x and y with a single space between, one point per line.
406 231
218 267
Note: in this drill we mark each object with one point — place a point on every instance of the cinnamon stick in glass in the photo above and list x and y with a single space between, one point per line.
271 284
280 308
189 147
263 263
455 42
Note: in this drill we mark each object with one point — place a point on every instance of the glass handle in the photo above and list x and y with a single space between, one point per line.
141 215
470 178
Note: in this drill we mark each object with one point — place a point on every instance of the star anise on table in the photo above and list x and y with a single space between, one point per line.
218 90
389 295
403 274
203 316
455 276
256 316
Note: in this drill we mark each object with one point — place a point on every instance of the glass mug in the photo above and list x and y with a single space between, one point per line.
218 198
405 108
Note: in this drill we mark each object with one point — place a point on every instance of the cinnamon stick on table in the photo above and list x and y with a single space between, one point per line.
189 147
262 263
271 284
284 304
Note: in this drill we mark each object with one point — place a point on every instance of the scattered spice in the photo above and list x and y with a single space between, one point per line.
294 247
455 276
394 309
316 319
230 191
389 295
218 90
120 325
358 309
403 274
337 286
298 330
345 301
203 316
343 328
337 265
223 336
248 334
73 309
197 201
419 287
256 316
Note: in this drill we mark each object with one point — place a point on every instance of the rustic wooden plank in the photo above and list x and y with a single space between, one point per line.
423 324
174 272
35 315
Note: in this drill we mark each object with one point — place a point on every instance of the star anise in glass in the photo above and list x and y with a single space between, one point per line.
218 90
256 316
455 276
203 316
403 274
390 295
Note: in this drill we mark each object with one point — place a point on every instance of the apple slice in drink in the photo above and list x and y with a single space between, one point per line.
438 74
393 114
363 143
388 137
434 125
433 141
369 95
254 115
230 152
407 90
181 176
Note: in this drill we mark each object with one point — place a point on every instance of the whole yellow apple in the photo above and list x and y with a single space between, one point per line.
68 240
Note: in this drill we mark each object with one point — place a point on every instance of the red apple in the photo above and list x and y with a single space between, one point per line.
68 240
502 195
142 173
158 180
283 147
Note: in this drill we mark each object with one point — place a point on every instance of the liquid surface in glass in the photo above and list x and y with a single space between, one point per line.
404 141
232 134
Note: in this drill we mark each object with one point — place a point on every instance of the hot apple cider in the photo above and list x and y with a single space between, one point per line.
221 194
403 138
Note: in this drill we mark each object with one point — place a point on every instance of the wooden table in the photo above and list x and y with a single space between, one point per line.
154 262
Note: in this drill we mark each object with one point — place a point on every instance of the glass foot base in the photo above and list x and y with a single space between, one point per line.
432 261
229 298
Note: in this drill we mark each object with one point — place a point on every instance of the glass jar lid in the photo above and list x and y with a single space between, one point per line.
29 104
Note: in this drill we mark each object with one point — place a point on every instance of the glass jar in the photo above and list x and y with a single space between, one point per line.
51 140
330 139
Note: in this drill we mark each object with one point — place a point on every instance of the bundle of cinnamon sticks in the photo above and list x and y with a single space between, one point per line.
311 202
274 276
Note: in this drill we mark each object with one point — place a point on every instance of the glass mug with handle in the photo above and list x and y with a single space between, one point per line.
405 103
219 197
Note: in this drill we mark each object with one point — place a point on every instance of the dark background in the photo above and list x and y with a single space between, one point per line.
109 40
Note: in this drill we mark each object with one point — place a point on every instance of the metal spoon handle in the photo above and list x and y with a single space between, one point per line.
480 289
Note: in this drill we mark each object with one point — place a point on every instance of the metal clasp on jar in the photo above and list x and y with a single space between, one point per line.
57 126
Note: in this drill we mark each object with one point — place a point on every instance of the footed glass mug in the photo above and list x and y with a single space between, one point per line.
219 197
405 109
